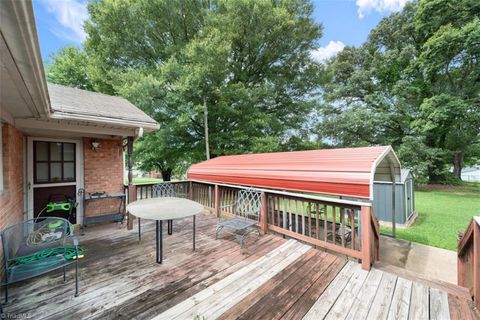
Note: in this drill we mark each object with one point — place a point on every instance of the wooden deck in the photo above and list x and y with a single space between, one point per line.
271 278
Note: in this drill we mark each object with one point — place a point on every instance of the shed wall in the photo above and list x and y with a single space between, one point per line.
382 202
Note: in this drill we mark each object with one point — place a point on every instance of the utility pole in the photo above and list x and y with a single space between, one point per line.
205 121
207 143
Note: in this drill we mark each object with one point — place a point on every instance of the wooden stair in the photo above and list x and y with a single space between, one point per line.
459 296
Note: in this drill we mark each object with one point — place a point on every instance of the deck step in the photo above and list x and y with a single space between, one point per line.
426 280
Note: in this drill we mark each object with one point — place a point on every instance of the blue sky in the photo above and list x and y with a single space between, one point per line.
345 22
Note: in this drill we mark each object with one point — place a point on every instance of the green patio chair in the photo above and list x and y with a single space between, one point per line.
36 247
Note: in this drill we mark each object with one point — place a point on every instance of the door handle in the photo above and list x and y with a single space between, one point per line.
29 185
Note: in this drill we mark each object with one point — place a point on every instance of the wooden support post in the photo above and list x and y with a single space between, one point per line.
460 271
132 196
190 190
476 261
132 190
264 214
217 200
366 238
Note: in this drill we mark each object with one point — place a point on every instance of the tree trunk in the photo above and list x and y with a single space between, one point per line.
457 164
166 174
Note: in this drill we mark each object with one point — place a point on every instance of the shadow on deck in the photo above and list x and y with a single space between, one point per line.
270 278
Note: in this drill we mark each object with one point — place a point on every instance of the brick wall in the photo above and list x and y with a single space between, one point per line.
103 170
11 199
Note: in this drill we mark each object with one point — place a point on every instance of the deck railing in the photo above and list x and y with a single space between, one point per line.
468 270
342 226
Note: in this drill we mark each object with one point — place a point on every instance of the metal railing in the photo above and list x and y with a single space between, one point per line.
468 255
342 226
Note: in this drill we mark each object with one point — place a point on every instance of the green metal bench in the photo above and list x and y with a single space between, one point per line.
36 247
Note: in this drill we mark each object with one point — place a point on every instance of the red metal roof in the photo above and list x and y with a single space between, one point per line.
342 172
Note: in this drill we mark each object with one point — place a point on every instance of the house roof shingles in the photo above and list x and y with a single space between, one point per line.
75 101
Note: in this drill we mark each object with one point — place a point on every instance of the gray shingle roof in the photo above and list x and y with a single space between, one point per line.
81 102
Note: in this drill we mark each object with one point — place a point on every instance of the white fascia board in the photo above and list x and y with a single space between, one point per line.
62 126
147 126
20 34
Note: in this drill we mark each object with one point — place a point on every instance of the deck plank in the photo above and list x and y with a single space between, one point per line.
131 282
148 306
400 305
306 301
254 298
323 305
419 302
383 298
159 298
92 280
362 304
285 294
211 300
208 292
348 296
232 295
186 278
439 305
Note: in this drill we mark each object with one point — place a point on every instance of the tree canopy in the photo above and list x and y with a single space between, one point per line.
242 68
228 77
415 84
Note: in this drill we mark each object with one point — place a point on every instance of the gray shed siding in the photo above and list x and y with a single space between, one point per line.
382 199
382 202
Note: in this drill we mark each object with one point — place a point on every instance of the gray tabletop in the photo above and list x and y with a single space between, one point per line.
165 208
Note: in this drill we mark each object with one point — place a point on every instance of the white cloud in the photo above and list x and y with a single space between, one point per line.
367 6
330 50
69 16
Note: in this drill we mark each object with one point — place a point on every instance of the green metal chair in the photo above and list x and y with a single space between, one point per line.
36 247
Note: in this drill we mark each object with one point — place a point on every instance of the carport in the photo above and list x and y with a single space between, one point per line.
345 172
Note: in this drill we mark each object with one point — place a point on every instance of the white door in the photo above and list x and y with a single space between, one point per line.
54 171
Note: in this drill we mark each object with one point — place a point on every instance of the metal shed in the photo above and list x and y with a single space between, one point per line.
404 199
346 172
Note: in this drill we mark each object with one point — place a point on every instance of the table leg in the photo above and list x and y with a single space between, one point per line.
159 241
170 227
193 232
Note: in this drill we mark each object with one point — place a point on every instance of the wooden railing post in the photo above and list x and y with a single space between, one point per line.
366 237
476 261
132 196
217 200
461 271
263 214
468 260
190 190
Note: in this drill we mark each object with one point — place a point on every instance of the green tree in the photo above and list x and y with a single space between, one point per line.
413 84
69 67
450 60
242 67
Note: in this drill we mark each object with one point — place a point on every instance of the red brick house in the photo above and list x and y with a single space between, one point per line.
55 139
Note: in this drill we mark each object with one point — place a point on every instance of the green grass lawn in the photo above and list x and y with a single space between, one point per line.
144 180
442 212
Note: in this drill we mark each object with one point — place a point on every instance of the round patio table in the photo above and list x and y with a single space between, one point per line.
165 208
